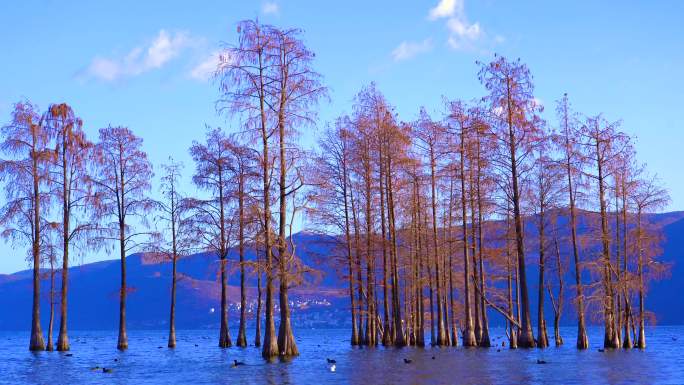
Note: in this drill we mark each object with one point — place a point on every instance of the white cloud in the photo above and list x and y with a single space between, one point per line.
206 68
270 8
153 55
409 49
462 33
446 8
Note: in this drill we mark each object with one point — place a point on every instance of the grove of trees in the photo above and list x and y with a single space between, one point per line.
434 220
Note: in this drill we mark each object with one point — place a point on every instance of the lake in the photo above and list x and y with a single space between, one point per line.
146 363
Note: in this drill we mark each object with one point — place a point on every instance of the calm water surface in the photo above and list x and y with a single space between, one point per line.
146 363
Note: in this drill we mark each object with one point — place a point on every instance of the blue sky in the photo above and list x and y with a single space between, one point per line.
143 64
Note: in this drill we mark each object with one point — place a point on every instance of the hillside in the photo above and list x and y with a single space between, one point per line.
320 302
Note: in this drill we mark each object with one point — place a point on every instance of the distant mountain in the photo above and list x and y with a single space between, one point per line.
321 301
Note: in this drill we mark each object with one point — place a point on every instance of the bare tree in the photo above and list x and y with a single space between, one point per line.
25 173
603 144
244 73
71 185
296 89
514 107
648 196
430 137
572 162
121 183
211 221
459 115
173 240
242 169
333 200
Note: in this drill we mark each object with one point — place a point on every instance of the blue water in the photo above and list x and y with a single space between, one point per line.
146 363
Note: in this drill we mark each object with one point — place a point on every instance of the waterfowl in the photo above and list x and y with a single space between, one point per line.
333 367
237 363
106 370
330 361
540 362
407 361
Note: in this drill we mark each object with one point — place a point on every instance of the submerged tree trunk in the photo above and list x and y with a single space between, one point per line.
348 242
386 335
627 342
122 343
582 338
610 336
467 332
242 333
37 342
286 341
641 339
50 346
257 326
526 338
542 336
359 273
172 317
399 339
224 334
484 338
557 304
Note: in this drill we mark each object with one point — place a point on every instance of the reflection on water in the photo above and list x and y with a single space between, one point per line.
148 361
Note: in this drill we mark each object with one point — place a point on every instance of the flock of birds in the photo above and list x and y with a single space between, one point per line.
332 363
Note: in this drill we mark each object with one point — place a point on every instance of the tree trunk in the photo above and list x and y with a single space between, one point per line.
512 332
270 347
62 338
582 338
399 340
627 343
359 273
468 333
286 341
242 333
558 307
386 335
172 317
610 337
122 343
441 331
542 336
484 340
37 342
50 346
224 334
257 326
420 338
641 339
348 243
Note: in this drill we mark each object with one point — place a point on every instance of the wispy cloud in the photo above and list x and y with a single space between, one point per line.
270 8
141 59
206 68
446 8
462 33
409 49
